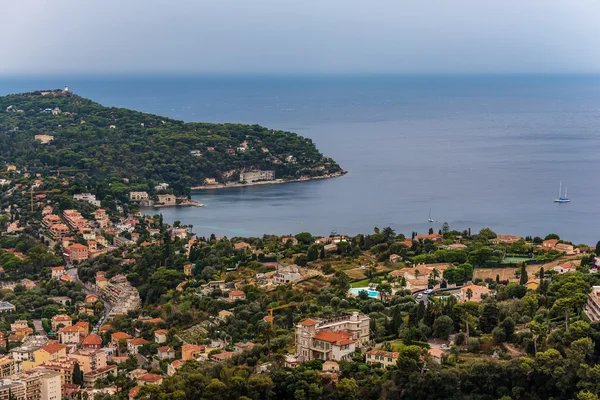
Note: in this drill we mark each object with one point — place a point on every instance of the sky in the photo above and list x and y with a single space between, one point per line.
45 37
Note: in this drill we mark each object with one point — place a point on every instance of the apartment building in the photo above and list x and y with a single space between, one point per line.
76 252
253 176
592 307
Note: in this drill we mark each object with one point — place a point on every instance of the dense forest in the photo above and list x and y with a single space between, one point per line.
138 150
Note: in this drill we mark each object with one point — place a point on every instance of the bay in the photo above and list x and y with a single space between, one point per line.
476 150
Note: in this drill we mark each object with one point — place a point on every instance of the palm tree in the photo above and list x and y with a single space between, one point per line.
266 332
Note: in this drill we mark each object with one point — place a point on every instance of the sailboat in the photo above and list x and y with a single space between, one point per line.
562 199
430 219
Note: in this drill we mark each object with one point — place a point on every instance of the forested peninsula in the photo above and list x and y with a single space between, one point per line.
124 150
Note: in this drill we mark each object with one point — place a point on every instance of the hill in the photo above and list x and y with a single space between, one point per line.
139 150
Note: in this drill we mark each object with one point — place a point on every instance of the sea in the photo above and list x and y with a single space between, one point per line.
473 151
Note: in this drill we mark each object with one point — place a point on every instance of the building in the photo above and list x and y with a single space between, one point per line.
236 295
191 351
473 293
432 236
160 335
118 336
26 352
165 352
87 197
167 199
41 383
50 352
91 298
507 239
133 345
241 346
592 307
76 252
436 355
187 269
224 314
59 231
566 248
222 356
149 379
395 258
57 272
6 307
242 246
287 275
90 360
60 320
8 367
564 268
533 284
92 342
383 358
161 186
173 367
253 176
288 239
19 324
70 335
331 366
331 339
549 244
90 378
44 139
138 196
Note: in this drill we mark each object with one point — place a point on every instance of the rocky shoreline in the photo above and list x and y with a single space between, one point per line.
273 182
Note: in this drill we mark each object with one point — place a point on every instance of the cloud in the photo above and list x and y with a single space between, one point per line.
293 36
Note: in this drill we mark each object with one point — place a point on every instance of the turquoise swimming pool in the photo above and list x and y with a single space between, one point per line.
371 293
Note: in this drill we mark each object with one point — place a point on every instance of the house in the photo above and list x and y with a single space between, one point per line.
173 367
187 269
167 199
330 247
76 252
90 378
331 366
533 284
83 327
549 244
288 239
210 181
117 336
566 248
165 352
161 186
507 239
225 355
383 358
191 351
19 324
241 346
564 268
473 293
87 197
432 236
136 373
92 342
224 314
331 339
61 320
133 345
138 196
456 246
287 275
101 281
436 355
149 379
91 298
70 335
57 272
133 392
236 295
5 306
160 335
395 258
242 246
592 307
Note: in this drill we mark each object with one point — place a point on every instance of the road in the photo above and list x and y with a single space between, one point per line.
72 272
424 298
39 328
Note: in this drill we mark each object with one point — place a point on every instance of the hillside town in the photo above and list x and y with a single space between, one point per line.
101 298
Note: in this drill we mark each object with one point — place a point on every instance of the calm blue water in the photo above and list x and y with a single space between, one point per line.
478 151
371 293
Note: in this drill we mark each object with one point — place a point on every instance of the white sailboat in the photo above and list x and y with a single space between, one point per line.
430 219
562 199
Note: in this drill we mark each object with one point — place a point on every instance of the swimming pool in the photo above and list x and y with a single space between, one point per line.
371 293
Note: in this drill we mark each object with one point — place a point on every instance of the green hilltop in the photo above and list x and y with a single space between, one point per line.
136 151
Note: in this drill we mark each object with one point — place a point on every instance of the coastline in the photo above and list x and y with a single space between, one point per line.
273 182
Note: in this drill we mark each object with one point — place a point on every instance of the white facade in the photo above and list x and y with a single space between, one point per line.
253 176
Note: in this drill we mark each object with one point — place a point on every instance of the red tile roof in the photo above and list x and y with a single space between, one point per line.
308 322
236 293
149 378
138 341
165 349
340 337
119 336
53 348
92 339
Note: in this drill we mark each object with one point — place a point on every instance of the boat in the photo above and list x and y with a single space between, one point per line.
562 199
430 219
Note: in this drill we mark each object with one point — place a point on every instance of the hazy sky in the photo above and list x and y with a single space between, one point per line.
289 36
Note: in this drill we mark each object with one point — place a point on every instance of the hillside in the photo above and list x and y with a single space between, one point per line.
119 145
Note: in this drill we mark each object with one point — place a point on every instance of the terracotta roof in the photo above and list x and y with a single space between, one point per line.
161 331
92 339
133 392
392 354
58 268
436 353
78 246
119 336
236 293
138 341
105 328
150 378
70 329
177 363
53 348
308 322
340 337
61 317
165 349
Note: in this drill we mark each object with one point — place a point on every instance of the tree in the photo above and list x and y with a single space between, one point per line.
597 251
524 277
489 316
77 375
385 290
443 327
347 389
552 236
469 294
445 229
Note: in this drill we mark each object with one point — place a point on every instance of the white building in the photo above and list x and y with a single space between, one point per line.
161 186
138 196
592 307
287 275
88 197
